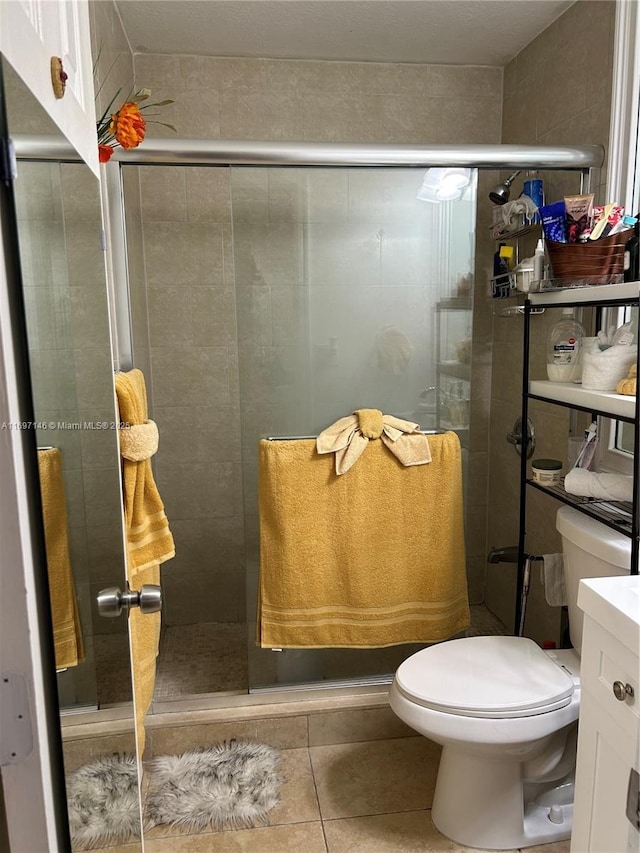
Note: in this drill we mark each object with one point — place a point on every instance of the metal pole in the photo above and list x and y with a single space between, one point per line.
202 152
522 556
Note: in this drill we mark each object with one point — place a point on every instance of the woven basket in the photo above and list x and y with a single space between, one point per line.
603 257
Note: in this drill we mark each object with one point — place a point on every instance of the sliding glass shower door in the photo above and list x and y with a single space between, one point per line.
271 301
342 278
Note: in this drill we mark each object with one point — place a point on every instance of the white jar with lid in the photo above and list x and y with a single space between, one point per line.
546 471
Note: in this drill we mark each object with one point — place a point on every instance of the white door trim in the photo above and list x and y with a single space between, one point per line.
28 782
623 172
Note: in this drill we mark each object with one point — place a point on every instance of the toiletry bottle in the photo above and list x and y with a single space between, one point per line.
632 254
507 257
538 261
563 348
501 285
535 190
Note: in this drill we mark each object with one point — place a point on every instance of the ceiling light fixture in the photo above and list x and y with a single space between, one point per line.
444 184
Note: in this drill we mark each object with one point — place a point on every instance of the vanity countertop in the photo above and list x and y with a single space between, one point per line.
614 602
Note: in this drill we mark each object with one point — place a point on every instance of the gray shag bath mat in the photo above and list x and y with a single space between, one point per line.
229 786
102 798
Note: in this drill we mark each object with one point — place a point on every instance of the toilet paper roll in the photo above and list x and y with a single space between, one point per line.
593 484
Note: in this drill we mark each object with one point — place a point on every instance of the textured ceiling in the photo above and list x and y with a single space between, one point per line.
460 32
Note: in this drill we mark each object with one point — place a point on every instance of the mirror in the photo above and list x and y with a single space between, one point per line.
63 274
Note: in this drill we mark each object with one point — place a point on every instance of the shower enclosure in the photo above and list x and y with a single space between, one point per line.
271 300
278 300
268 290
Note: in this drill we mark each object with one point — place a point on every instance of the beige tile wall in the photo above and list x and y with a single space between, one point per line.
542 106
235 98
113 61
191 280
188 269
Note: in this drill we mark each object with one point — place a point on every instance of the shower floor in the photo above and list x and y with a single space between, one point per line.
211 657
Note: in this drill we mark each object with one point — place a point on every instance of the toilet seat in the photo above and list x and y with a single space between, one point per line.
491 677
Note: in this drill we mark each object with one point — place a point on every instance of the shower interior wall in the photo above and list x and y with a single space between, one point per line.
239 340
192 288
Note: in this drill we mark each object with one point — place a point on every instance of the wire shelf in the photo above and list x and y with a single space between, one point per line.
615 514
555 284
503 286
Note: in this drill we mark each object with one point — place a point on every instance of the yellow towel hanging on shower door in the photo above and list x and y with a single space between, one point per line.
67 632
374 557
149 540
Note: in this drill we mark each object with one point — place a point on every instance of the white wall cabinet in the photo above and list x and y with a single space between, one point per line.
31 32
608 730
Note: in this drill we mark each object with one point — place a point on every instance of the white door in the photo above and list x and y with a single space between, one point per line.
34 31
54 352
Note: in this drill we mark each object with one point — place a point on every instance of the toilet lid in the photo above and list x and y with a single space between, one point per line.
485 677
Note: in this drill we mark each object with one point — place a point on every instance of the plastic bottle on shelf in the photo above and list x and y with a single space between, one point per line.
563 348
538 261
632 254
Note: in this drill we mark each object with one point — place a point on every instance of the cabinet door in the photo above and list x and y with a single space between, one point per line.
607 745
34 31
604 763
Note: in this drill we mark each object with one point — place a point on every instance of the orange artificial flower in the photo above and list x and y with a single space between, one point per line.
128 126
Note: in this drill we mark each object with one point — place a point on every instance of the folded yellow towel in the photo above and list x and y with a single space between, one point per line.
348 439
67 633
149 540
139 441
369 560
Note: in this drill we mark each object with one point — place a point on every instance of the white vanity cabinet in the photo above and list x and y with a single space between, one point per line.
606 798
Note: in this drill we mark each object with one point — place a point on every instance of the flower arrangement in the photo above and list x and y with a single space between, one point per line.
127 126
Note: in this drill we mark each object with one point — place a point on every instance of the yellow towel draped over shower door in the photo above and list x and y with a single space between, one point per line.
67 632
369 558
149 540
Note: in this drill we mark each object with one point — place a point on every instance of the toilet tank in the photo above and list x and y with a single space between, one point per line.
590 550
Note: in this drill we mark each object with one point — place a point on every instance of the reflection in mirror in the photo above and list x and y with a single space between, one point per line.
63 273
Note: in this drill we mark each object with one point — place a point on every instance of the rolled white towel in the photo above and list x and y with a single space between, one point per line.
593 484
553 579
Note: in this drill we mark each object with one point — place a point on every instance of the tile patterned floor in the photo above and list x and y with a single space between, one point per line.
209 657
212 657
369 797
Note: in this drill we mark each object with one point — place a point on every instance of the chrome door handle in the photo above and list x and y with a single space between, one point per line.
622 691
112 601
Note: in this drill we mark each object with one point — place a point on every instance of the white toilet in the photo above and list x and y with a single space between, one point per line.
505 713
